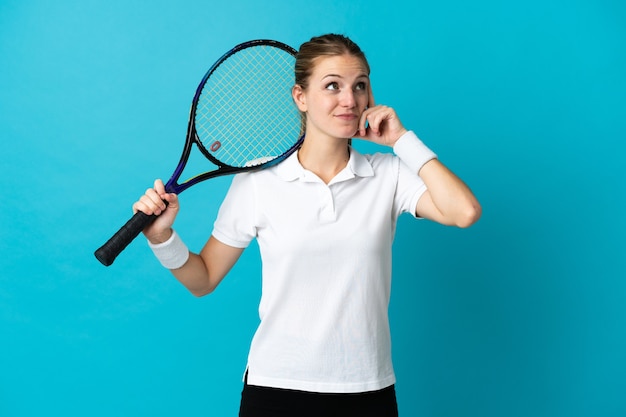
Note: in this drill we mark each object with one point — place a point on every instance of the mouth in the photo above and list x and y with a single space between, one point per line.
347 116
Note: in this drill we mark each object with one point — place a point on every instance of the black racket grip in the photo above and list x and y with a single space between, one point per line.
107 253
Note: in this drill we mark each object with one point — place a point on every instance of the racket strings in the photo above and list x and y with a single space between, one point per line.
259 114
245 111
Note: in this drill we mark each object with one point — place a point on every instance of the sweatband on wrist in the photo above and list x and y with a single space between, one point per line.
412 151
173 253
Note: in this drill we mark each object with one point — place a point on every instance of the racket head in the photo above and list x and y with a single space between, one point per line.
242 118
242 115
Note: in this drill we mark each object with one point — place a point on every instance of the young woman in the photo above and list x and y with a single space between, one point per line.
324 220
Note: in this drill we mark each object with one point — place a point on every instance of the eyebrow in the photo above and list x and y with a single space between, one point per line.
364 75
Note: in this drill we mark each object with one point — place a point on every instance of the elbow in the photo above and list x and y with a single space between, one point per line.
202 289
469 215
198 294
201 292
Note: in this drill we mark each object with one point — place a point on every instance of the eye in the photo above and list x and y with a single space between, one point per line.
333 86
360 86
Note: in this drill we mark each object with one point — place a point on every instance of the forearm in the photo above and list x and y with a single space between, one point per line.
451 197
448 200
190 269
195 276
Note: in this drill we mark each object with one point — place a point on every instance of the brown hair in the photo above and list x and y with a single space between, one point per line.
325 45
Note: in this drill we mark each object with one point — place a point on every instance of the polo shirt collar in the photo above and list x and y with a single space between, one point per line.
358 166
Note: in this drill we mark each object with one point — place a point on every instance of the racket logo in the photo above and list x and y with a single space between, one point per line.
215 146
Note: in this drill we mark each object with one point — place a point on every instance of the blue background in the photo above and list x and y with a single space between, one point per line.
524 314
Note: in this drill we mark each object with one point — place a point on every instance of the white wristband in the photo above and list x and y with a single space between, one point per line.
412 151
173 253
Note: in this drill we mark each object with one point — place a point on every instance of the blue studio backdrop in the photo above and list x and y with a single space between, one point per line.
522 315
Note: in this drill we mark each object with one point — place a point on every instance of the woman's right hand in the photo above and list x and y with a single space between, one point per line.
152 202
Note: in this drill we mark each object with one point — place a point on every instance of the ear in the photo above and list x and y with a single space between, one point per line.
298 97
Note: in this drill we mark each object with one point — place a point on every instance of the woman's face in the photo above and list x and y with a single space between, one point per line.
338 92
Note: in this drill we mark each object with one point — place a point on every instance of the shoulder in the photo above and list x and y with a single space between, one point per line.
257 178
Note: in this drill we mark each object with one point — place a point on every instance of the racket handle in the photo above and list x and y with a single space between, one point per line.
107 253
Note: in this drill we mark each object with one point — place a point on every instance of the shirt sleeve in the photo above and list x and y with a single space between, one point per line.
235 224
410 189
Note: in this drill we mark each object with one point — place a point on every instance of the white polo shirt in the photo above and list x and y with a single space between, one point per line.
326 255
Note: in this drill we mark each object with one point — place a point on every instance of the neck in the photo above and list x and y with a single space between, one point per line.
325 158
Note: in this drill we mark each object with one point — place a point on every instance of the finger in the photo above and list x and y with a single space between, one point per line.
376 118
172 200
153 201
159 187
144 205
363 122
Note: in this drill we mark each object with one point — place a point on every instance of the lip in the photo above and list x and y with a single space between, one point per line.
347 116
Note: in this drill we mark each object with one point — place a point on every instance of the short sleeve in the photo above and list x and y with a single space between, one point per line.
409 190
235 223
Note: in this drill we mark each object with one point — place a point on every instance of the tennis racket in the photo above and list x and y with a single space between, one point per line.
242 118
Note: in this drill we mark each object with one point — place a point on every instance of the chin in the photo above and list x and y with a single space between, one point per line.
347 136
348 133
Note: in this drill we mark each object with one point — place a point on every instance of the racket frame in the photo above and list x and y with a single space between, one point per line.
108 252
172 185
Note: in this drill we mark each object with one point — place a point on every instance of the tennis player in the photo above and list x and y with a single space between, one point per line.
324 220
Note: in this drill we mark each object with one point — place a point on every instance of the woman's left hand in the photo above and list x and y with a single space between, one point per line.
379 124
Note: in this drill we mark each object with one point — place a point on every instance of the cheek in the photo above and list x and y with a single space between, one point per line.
363 101
321 105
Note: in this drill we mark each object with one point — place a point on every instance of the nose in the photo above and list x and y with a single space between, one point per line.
347 99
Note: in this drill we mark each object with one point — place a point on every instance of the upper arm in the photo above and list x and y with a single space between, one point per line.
427 209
